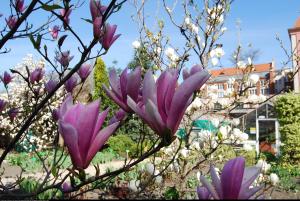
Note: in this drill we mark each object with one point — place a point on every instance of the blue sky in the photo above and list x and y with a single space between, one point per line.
260 20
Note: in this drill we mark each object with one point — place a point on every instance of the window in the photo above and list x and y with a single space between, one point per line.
252 91
217 106
220 94
264 91
220 86
240 105
230 86
262 83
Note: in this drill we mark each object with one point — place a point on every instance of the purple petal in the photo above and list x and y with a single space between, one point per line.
216 181
99 123
133 86
115 83
182 96
209 187
203 193
149 88
123 84
232 177
153 114
99 141
70 137
116 99
85 124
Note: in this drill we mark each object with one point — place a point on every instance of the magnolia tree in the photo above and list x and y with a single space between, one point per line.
45 103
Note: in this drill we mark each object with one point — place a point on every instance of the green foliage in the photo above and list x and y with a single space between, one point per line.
30 185
288 111
290 136
107 155
288 176
141 58
122 143
288 108
171 193
101 77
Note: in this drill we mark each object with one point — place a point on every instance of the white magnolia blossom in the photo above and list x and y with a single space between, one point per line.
225 130
196 145
236 121
198 175
223 29
150 168
171 54
215 122
136 44
253 98
184 152
249 61
263 165
157 50
214 61
169 10
253 78
239 135
194 29
247 147
187 21
274 179
241 64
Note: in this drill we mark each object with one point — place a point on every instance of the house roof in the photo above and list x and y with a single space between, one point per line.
235 71
296 27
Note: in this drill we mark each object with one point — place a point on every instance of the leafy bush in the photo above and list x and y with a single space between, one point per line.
171 193
30 185
288 110
101 77
287 174
120 143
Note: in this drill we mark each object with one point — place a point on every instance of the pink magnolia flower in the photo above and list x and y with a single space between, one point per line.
64 58
71 83
36 75
80 126
12 113
194 69
97 27
164 103
109 36
66 15
97 10
19 4
11 22
84 71
6 78
54 31
128 85
50 85
234 182
119 116
3 103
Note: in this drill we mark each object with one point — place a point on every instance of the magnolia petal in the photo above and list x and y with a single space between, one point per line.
152 112
232 177
248 193
133 86
182 96
66 104
149 88
250 174
209 187
99 123
70 137
116 99
99 141
162 86
115 83
123 84
203 193
216 181
185 74
85 126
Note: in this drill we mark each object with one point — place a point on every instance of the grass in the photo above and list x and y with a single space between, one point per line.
31 163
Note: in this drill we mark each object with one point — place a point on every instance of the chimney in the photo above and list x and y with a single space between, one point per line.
272 78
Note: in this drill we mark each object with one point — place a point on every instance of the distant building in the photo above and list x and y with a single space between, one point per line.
226 81
294 34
